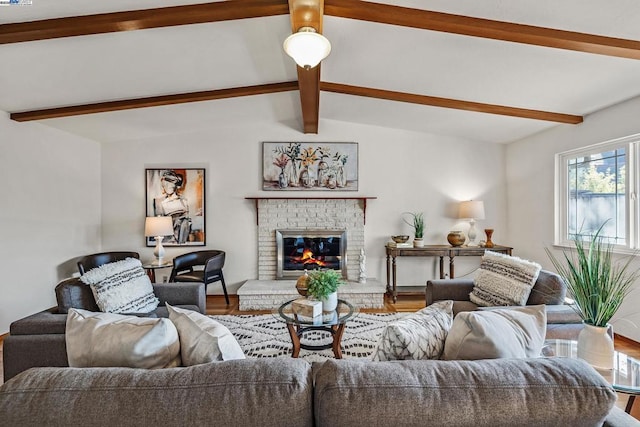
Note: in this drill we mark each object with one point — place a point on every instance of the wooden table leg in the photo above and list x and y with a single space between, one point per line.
451 268
152 274
442 267
629 406
337 339
395 290
388 275
295 339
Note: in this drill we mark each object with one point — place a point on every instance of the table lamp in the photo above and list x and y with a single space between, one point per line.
471 210
158 227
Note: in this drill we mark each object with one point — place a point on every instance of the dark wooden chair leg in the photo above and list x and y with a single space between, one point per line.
224 288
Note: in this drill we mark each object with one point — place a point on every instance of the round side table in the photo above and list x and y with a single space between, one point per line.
151 268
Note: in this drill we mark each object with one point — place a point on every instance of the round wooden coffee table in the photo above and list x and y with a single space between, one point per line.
332 322
624 377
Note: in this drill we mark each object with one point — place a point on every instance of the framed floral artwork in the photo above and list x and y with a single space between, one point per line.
302 166
178 193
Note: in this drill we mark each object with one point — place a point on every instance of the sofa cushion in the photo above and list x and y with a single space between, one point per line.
549 289
121 287
503 280
109 339
73 293
420 335
262 392
498 393
202 339
516 332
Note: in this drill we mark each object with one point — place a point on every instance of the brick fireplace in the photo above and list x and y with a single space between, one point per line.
309 214
317 215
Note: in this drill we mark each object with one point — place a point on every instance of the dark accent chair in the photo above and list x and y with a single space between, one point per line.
185 269
88 262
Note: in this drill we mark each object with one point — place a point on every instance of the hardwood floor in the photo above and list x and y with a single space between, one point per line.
406 303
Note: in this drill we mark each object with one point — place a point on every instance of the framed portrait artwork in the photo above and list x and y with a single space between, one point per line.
296 166
178 193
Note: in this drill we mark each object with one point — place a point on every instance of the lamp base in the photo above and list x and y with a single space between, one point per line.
472 233
158 252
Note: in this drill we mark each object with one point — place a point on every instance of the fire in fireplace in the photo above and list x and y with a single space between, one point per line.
299 250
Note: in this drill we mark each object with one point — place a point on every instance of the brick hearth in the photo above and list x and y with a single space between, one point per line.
269 294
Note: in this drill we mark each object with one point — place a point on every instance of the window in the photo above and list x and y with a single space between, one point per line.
596 185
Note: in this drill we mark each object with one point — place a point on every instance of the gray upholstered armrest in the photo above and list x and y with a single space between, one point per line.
444 289
181 294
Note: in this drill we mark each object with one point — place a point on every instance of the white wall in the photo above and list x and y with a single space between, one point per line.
406 172
50 213
530 188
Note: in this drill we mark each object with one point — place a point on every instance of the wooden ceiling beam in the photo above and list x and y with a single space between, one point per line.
450 103
140 19
153 101
485 28
308 13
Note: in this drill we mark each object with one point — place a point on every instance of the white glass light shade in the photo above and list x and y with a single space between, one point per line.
472 209
158 226
307 47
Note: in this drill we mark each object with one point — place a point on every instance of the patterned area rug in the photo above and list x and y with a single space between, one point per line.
266 335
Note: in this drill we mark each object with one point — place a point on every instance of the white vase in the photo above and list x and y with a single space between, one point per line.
418 242
330 302
595 345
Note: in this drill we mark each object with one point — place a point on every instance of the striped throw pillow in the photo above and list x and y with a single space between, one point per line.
122 287
504 280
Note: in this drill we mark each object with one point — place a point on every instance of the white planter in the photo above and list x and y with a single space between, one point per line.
330 303
418 242
595 346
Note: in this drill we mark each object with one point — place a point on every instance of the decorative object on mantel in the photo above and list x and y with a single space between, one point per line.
417 222
598 286
363 275
456 238
471 210
301 284
323 285
180 195
488 243
296 166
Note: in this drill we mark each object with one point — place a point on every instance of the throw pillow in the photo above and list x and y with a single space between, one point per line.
109 339
504 280
420 335
202 339
516 332
122 287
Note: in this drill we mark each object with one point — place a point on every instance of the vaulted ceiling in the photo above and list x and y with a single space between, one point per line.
493 71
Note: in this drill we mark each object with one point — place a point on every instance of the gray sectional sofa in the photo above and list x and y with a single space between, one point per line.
290 392
39 339
562 321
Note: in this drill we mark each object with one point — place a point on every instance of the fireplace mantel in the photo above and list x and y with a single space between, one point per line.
362 198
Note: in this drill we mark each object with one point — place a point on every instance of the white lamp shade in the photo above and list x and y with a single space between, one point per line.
158 226
472 209
307 47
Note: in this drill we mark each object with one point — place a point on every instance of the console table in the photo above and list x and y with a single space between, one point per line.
432 251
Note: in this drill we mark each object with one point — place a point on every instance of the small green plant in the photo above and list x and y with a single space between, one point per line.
321 283
597 284
417 223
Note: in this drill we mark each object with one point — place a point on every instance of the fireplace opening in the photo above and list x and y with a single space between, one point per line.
299 250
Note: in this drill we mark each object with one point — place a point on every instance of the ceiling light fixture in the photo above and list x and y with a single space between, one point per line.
307 47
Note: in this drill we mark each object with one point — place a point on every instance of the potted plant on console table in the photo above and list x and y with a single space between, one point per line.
418 225
323 285
598 285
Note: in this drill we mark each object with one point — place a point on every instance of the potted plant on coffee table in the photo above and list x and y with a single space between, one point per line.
598 285
417 222
323 285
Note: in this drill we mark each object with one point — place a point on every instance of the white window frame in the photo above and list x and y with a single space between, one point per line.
632 146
